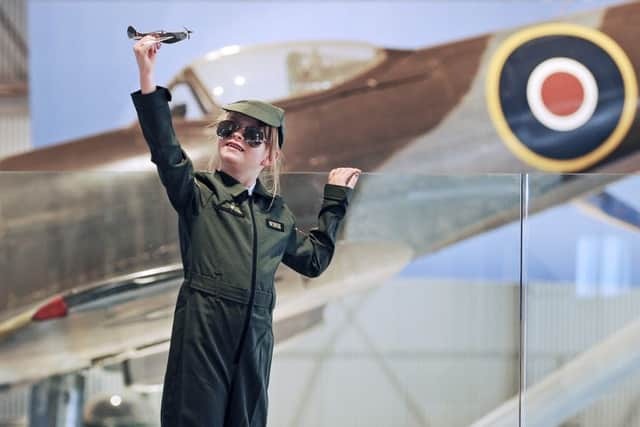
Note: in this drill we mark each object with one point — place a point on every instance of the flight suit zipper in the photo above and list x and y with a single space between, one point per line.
254 261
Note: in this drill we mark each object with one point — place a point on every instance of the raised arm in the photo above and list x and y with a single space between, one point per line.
152 105
310 253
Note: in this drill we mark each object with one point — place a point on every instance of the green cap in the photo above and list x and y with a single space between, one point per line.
262 111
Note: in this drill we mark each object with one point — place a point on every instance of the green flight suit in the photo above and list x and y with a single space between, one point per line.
231 244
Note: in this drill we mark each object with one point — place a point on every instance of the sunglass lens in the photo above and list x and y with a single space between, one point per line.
226 128
253 136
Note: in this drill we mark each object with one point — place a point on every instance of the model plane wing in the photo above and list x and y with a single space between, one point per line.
160 35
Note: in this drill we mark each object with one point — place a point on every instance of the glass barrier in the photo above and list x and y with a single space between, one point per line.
429 336
582 301
416 322
420 319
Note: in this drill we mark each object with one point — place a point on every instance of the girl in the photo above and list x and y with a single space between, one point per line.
233 234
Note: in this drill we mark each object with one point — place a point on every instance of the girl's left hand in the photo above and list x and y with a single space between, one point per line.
347 177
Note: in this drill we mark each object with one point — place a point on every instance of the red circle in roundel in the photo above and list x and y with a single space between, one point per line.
562 93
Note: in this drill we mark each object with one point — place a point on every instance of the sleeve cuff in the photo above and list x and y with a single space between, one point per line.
158 98
337 193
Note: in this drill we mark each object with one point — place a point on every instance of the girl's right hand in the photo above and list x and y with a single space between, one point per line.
347 177
145 51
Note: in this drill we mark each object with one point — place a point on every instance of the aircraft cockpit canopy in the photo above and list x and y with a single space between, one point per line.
282 71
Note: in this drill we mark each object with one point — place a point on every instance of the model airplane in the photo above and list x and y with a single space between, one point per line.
161 35
96 253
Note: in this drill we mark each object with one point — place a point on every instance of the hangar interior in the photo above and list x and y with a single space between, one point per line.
536 326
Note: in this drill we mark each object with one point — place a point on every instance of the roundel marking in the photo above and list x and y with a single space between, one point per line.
562 97
562 94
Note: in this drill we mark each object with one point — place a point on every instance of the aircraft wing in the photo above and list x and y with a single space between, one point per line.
609 208
117 319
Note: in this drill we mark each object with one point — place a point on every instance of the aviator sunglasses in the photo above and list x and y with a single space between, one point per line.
253 135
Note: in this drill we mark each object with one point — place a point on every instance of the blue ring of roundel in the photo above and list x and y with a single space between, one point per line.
549 143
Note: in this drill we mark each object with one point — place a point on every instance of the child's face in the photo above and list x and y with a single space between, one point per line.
236 153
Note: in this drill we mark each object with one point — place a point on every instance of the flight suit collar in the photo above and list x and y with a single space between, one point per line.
260 190
235 188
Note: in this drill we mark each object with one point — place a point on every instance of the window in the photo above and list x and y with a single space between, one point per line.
282 71
184 103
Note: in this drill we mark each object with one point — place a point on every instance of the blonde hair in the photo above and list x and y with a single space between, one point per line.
270 175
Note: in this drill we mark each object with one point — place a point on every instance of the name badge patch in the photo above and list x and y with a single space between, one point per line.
231 208
275 225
